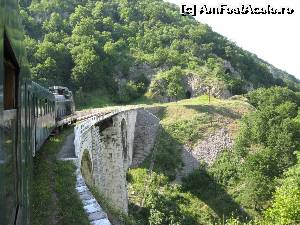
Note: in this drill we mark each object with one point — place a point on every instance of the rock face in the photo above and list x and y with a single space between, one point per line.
206 151
229 67
195 86
144 69
220 92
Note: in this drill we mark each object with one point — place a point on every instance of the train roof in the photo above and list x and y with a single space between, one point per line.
58 88
41 91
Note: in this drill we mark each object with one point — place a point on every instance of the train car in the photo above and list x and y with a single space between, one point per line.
43 115
64 102
28 114
15 123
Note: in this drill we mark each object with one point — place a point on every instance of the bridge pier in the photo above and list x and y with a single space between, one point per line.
105 145
108 141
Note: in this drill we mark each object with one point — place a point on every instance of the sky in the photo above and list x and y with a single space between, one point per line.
273 38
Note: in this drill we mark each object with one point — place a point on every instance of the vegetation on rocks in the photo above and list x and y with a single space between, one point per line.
185 122
251 184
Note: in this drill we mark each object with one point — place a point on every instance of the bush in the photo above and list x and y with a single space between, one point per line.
168 84
285 208
273 96
129 91
226 167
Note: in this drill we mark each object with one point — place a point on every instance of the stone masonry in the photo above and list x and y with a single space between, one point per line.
112 146
144 136
115 141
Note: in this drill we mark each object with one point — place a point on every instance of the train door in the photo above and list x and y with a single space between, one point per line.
11 138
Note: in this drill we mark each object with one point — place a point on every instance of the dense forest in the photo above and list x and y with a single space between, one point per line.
118 47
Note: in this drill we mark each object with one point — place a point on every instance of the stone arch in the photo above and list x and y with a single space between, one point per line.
86 167
124 138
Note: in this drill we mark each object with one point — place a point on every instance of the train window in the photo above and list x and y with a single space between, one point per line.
40 108
36 107
11 71
10 134
46 107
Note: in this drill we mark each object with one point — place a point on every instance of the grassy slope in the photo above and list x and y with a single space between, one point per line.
55 200
186 123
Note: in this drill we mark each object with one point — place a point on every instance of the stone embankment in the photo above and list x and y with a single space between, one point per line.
95 213
93 210
206 151
209 148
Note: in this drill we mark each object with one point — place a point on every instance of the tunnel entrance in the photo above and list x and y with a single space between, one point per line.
188 94
124 138
227 71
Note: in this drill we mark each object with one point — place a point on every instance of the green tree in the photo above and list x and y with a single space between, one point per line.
285 208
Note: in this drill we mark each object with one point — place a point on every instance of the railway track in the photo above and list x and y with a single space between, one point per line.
81 116
86 114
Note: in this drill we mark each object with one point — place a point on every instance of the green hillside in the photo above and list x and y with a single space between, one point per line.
123 47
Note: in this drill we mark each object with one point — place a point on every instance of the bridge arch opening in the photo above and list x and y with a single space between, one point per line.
124 138
86 167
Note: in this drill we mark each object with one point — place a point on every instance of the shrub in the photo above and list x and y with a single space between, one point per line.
129 91
285 208
168 84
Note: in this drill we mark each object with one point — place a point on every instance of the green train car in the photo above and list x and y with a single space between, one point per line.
27 118
15 142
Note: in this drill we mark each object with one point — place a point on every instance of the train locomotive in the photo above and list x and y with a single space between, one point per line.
64 102
28 115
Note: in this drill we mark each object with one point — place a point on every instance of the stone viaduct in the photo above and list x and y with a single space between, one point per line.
107 145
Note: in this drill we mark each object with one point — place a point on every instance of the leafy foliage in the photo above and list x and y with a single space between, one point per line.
285 207
169 84
96 44
264 149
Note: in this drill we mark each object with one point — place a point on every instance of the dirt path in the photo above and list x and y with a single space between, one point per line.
67 150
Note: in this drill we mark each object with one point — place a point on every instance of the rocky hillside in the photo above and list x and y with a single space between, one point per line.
222 162
193 133
126 48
